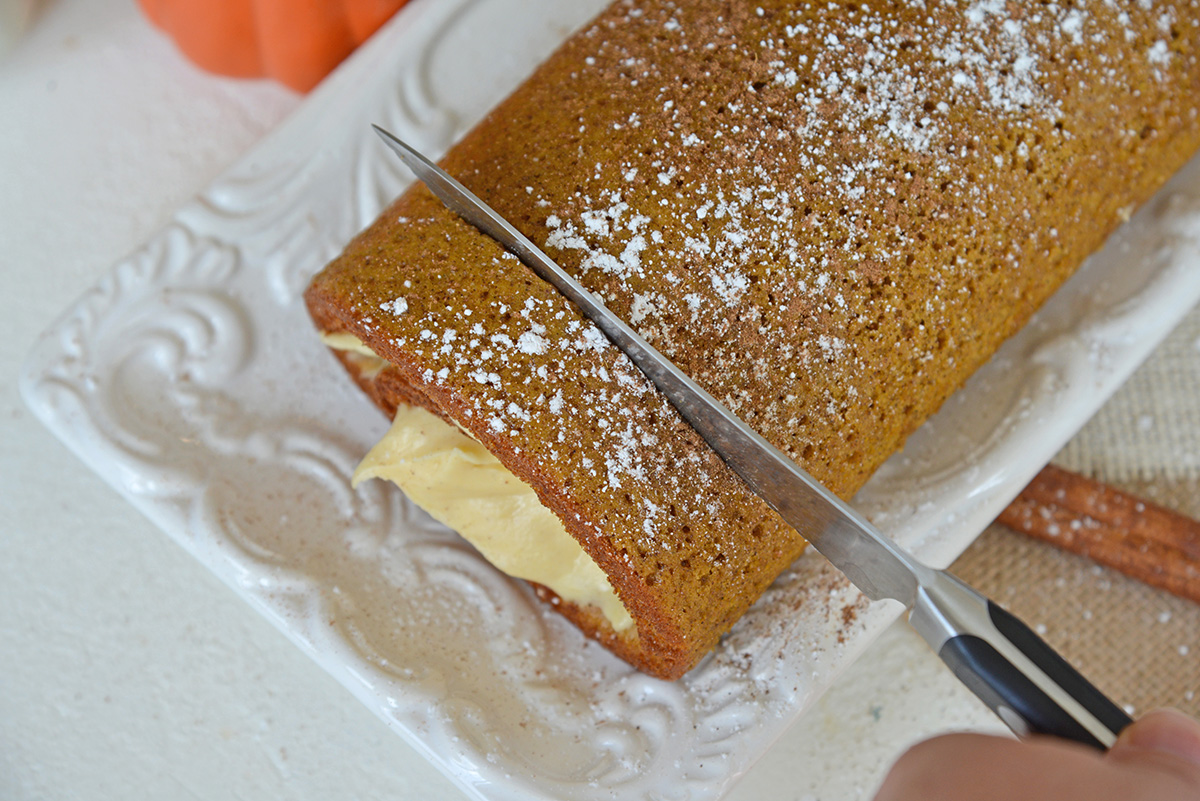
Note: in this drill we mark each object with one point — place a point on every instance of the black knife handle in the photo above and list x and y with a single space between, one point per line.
1012 670
1013 696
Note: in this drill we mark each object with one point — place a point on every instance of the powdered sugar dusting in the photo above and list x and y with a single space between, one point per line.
840 127
396 307
750 222
812 209
532 343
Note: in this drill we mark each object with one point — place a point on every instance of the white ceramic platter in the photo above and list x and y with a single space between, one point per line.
190 378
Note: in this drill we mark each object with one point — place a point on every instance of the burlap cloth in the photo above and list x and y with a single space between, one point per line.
1138 644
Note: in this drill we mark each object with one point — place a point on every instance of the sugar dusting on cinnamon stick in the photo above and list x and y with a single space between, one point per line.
1113 528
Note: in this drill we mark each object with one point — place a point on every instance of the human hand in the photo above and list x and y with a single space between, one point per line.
1157 758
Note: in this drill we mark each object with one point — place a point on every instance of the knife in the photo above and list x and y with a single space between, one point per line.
1012 670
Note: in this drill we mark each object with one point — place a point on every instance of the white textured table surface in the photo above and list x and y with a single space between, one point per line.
126 669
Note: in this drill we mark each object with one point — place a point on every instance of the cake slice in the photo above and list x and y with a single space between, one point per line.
828 216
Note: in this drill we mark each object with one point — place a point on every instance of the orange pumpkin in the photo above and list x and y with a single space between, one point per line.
296 42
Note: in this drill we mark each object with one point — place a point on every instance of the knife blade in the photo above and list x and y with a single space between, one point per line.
1021 678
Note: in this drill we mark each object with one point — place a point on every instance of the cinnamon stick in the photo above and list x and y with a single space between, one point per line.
1140 539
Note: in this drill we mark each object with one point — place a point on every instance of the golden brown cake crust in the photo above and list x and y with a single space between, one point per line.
828 217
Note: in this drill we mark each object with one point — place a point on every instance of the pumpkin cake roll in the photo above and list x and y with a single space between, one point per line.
827 214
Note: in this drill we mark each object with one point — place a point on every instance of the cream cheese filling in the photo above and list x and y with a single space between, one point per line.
461 484
367 361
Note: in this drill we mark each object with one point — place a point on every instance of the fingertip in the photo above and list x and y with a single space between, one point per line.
1165 731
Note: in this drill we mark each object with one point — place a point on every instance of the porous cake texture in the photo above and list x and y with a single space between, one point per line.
828 214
